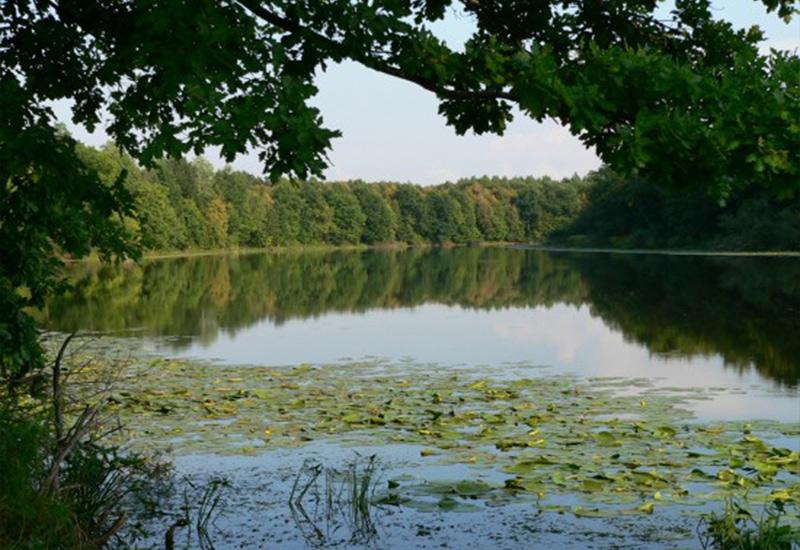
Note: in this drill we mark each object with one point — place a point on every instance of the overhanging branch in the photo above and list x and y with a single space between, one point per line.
375 64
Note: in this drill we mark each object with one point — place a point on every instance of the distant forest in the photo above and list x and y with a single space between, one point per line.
184 205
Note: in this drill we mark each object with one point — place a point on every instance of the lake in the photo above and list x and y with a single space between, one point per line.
721 334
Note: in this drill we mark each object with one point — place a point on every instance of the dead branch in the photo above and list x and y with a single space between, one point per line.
65 447
58 401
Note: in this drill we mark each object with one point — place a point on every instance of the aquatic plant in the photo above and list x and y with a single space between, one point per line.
346 497
620 446
736 528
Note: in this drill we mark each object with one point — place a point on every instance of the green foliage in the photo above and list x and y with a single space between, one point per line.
28 519
348 217
409 202
51 203
682 98
217 215
285 222
632 213
160 225
760 223
97 486
189 205
737 529
317 215
379 220
443 218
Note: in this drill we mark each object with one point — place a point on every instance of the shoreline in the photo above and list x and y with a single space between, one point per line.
171 254
662 251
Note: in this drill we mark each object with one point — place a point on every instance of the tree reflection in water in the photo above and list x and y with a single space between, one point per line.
745 309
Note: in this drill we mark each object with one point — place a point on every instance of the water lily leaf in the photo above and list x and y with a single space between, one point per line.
646 508
448 503
699 474
582 512
593 485
352 418
780 495
391 499
606 439
470 488
494 418
665 432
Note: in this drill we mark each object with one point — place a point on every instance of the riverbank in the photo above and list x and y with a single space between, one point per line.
168 254
663 252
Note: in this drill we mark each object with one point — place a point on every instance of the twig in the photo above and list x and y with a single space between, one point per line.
65 447
58 402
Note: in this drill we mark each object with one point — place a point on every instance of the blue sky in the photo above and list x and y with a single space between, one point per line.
392 131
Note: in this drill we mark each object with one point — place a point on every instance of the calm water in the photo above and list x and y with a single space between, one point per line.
712 322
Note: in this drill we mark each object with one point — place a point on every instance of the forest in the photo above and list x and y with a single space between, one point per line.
187 205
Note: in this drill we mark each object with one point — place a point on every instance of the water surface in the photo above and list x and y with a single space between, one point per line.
712 322
695 338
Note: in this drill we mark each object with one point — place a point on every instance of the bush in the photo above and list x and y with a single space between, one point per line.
61 487
29 519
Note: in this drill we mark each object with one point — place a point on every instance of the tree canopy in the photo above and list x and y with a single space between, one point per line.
680 97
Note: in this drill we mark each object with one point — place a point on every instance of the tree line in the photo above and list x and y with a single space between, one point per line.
632 213
184 205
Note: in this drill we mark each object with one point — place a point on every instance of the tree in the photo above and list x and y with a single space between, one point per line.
444 220
191 180
490 215
197 228
379 219
464 216
348 218
317 215
217 213
410 204
528 204
245 206
51 203
161 227
285 218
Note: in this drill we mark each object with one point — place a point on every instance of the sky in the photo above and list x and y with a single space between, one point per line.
393 132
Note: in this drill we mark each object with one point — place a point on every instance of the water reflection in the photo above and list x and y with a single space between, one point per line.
743 313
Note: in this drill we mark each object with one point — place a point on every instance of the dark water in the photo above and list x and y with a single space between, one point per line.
685 320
